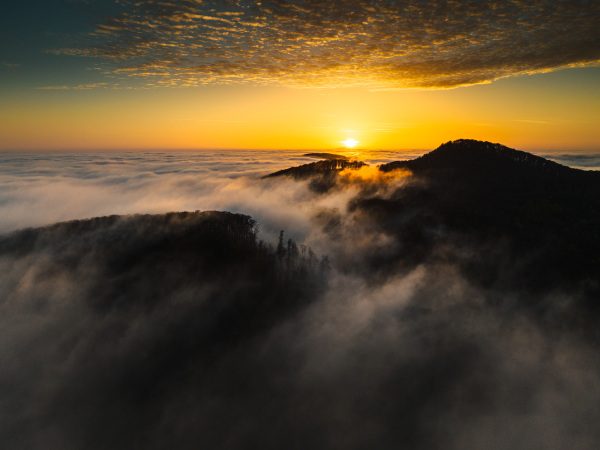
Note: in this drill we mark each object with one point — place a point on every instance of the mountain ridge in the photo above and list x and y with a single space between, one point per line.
470 152
323 167
461 155
548 213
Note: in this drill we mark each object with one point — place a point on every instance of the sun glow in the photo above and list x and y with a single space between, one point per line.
350 143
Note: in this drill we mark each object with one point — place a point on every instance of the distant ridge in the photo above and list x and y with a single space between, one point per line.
326 167
469 154
325 156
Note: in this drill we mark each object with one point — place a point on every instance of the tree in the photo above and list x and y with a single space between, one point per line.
280 248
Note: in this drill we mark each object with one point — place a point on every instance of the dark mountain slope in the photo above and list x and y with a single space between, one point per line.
547 214
471 156
499 187
149 303
138 264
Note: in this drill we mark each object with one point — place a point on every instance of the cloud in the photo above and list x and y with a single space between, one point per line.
79 87
54 88
588 161
381 44
115 327
9 64
56 187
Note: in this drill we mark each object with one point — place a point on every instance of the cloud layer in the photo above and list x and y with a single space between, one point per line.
125 333
40 189
381 44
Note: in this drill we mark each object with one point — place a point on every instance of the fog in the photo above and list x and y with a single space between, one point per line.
126 333
585 161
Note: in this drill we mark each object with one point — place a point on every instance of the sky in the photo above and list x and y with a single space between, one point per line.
298 74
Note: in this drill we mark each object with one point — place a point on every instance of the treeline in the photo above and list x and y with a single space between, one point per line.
528 223
326 167
148 305
141 260
292 258
323 176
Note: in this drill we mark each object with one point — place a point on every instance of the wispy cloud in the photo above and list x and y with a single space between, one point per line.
53 88
211 120
380 44
79 87
9 64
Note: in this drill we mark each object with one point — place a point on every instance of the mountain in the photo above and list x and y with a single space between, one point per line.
118 317
138 262
323 175
547 214
323 168
467 155
325 156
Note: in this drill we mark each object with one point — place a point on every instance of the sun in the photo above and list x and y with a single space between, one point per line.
350 143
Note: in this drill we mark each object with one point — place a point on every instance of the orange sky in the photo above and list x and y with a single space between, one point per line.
530 112
284 74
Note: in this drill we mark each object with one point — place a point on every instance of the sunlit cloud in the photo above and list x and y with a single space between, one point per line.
9 64
380 44
79 87
53 88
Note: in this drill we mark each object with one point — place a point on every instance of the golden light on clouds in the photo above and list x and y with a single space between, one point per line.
375 43
372 174
229 117
302 74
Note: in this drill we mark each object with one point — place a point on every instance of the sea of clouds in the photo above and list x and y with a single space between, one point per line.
419 357
42 188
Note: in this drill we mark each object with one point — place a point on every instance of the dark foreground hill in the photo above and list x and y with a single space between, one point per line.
137 262
130 309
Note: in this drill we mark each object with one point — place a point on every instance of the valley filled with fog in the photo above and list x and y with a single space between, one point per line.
415 307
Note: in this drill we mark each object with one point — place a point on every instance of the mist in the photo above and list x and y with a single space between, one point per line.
146 331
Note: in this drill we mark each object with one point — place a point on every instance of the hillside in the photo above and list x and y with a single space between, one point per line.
473 195
466 155
543 210
323 168
323 175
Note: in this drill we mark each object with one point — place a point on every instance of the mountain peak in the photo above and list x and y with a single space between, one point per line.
473 143
469 154
473 147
